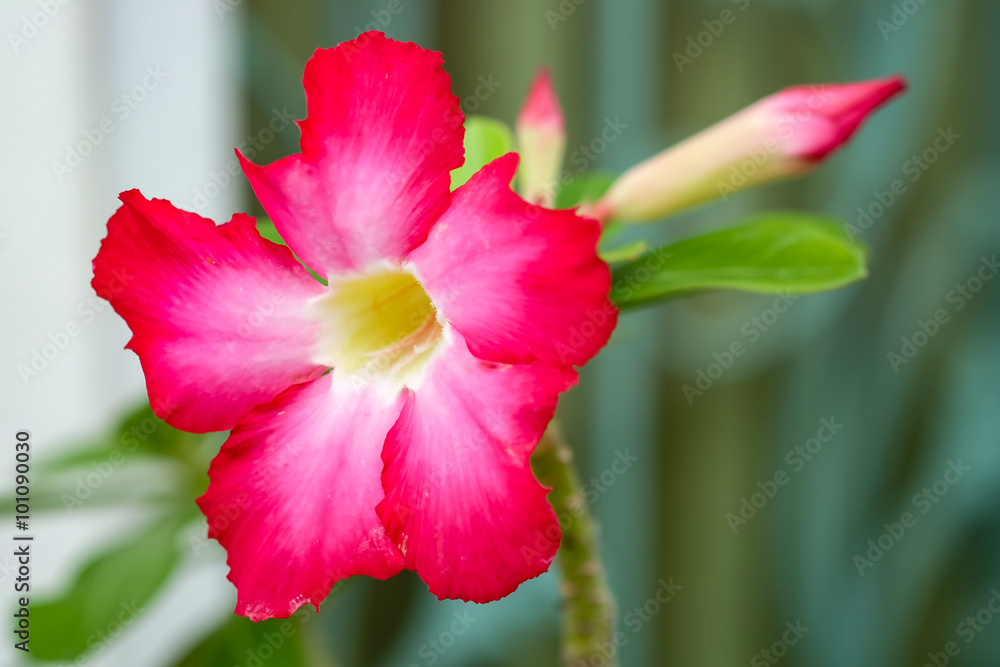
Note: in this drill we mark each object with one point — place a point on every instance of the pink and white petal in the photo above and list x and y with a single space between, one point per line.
382 135
217 313
519 282
293 493
462 502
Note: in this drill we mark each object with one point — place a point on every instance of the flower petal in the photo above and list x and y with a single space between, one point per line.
384 132
520 282
461 500
293 496
217 313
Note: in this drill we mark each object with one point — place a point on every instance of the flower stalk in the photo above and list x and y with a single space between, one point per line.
589 607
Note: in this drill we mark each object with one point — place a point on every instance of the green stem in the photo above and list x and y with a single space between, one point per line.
589 607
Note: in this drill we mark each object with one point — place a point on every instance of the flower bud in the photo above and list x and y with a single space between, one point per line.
541 141
785 134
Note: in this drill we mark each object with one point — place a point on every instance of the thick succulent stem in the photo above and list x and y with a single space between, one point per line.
589 607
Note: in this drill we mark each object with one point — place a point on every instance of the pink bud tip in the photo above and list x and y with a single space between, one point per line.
541 107
820 119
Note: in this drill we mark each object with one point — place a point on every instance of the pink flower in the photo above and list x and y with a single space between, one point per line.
386 421
541 141
786 134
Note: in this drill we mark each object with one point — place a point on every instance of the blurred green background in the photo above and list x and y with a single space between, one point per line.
800 558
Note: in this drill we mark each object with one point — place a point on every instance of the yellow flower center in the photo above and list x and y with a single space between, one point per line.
379 326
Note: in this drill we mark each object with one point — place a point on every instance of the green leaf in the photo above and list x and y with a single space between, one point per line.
587 187
781 251
108 596
486 139
267 229
140 431
625 253
274 642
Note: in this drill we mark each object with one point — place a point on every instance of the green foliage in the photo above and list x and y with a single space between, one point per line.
583 188
107 597
772 252
140 431
275 642
624 253
486 139
267 229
